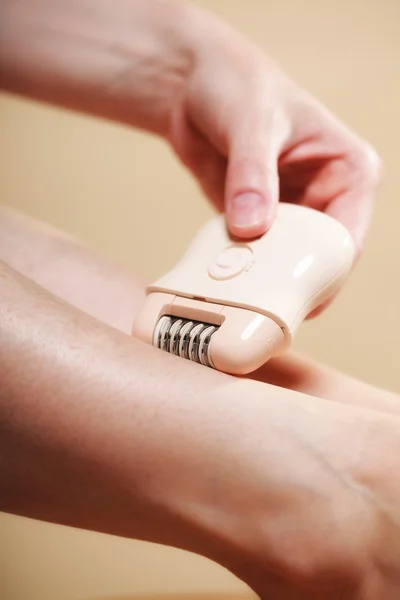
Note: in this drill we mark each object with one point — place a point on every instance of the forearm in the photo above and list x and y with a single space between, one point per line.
124 60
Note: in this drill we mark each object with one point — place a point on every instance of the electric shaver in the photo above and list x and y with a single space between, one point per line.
233 305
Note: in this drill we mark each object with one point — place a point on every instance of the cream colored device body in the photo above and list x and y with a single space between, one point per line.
233 305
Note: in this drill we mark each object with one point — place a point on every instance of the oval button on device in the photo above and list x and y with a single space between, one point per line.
231 262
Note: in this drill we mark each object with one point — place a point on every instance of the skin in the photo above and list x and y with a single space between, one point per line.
96 433
294 495
177 71
63 266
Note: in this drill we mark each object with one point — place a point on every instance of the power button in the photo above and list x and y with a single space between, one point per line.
231 262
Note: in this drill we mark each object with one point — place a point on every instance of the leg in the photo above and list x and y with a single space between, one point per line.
61 265
302 374
75 274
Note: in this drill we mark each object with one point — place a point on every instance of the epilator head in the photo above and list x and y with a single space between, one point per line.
232 305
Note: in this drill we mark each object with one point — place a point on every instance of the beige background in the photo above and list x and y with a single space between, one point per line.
125 195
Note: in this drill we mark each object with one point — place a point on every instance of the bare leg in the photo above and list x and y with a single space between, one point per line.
77 275
311 377
67 269
103 432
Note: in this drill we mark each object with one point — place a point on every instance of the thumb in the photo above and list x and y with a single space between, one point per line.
252 181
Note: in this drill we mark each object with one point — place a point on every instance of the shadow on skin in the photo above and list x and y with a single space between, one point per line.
287 372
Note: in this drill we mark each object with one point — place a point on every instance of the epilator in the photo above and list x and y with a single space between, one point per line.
232 305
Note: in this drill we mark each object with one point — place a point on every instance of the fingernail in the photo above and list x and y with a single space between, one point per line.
247 210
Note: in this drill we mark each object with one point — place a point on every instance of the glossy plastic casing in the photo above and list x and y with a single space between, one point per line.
259 291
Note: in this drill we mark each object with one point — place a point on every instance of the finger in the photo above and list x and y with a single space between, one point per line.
354 206
321 308
354 210
351 162
252 184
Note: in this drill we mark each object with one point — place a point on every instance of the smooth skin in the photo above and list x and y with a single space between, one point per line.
294 494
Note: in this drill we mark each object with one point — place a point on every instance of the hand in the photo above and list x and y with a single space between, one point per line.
249 135
252 137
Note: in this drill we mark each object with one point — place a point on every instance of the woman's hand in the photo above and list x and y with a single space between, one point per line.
250 135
